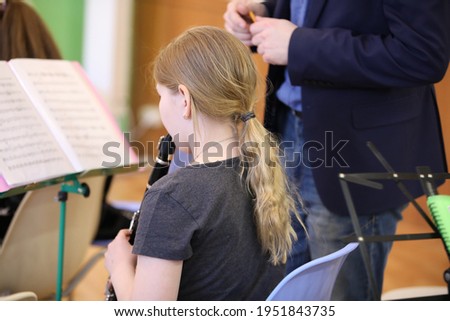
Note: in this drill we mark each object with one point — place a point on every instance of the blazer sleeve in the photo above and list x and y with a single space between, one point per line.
413 50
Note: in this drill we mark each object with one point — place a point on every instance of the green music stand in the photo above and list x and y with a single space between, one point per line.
75 187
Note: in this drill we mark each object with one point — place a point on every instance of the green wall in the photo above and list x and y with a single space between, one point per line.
65 18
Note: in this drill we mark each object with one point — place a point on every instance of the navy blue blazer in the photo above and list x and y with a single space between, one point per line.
367 68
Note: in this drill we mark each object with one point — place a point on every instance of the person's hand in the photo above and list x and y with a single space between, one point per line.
119 252
271 37
237 18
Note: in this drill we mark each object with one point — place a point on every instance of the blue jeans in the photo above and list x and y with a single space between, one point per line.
326 229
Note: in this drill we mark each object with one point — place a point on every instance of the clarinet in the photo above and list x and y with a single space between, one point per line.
166 148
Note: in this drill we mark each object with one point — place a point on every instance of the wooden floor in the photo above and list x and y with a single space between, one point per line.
411 263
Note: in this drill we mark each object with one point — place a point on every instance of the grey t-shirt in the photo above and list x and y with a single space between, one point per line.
203 216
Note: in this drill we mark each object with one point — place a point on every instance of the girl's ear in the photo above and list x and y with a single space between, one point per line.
184 92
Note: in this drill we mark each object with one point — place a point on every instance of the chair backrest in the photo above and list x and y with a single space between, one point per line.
21 296
29 252
313 281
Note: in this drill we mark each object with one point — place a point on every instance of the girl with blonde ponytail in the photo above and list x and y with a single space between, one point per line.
220 228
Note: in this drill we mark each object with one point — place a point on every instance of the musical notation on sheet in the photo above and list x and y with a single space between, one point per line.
27 148
73 110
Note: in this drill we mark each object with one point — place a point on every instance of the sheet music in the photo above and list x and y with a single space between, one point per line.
27 148
71 110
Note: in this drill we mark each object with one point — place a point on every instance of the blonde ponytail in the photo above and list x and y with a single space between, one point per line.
266 180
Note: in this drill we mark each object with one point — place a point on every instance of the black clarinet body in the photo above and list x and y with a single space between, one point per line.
166 149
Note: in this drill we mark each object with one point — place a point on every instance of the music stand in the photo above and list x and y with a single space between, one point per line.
426 179
76 188
69 184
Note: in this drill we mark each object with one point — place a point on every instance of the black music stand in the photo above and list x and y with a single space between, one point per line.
426 179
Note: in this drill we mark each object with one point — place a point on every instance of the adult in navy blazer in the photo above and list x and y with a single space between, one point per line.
366 71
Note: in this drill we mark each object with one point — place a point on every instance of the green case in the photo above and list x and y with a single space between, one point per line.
439 206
